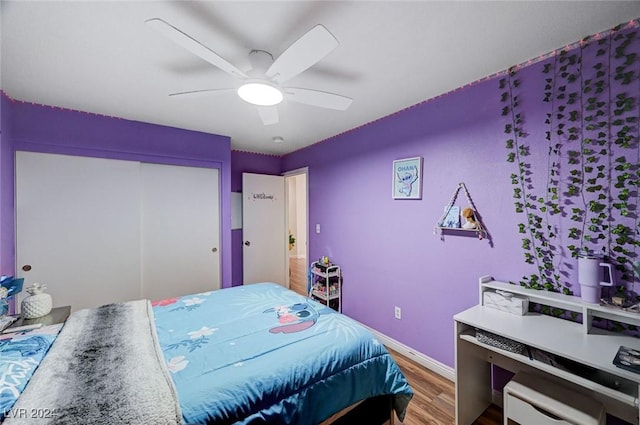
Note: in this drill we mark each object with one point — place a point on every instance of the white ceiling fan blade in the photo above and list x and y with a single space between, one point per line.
268 114
196 92
304 52
194 46
322 99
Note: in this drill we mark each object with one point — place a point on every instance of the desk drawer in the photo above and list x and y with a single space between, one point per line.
524 413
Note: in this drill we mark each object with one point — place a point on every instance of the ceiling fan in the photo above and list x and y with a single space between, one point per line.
263 84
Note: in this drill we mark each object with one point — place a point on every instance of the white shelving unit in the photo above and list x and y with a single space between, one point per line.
566 302
326 286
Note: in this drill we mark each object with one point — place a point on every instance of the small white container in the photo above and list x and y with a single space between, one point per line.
506 301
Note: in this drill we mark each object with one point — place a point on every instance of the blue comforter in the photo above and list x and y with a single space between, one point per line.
20 355
264 354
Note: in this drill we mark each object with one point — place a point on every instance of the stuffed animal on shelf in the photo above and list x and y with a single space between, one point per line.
470 219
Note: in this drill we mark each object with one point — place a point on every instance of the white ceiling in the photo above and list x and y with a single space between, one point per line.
100 57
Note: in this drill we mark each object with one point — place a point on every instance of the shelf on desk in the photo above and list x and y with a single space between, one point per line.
566 302
626 392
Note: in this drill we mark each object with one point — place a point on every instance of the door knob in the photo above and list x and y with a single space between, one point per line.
26 267
247 243
214 249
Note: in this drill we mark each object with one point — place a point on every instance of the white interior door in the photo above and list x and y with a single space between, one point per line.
78 227
180 230
265 244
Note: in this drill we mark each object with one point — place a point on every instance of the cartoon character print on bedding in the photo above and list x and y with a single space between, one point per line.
294 318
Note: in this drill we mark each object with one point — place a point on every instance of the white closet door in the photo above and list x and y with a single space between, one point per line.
180 230
78 227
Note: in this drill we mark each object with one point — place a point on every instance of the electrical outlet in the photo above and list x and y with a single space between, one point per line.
398 312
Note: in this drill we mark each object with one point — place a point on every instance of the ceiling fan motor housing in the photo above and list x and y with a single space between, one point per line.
260 62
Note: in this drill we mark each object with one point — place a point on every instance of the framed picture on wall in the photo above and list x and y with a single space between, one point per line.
407 178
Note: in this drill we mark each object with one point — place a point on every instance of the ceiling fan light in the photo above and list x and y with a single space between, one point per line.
260 94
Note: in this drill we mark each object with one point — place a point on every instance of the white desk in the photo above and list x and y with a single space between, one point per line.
616 388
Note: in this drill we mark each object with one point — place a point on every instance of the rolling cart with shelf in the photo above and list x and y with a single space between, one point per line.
326 285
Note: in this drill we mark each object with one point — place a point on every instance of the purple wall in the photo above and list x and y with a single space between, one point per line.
387 248
7 261
54 130
246 162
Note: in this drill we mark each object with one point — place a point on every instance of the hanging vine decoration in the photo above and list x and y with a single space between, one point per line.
598 191
533 242
550 205
568 77
596 151
623 130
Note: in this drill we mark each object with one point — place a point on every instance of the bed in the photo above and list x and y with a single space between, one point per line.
257 354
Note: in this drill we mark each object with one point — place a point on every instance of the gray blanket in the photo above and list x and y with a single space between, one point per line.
105 367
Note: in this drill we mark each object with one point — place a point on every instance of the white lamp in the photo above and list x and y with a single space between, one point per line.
260 93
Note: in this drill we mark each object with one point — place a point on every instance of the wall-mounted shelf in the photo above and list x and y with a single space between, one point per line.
457 229
479 229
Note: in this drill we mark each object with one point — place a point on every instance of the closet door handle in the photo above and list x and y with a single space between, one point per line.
214 249
247 243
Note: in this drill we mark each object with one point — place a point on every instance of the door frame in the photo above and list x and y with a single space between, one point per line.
292 173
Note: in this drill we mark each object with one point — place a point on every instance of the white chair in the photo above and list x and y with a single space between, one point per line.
531 400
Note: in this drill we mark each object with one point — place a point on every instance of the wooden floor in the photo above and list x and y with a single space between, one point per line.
433 402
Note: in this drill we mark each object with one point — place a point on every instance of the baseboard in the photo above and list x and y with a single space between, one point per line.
423 360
